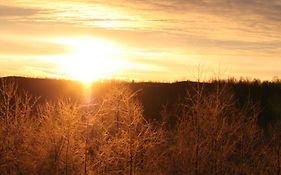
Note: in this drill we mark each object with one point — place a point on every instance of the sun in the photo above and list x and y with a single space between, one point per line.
91 59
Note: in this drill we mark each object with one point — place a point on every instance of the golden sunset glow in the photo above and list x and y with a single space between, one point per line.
141 40
90 58
131 86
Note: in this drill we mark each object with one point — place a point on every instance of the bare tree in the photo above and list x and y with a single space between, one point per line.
61 138
16 124
129 143
213 136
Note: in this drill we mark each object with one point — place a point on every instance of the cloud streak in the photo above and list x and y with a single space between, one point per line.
241 30
16 11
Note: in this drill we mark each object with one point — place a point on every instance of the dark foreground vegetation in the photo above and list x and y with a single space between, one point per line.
139 128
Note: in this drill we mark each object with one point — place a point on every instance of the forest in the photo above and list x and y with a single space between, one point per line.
219 127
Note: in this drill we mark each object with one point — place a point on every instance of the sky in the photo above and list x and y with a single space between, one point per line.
147 40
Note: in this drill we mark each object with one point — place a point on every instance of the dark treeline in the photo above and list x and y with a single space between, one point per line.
155 96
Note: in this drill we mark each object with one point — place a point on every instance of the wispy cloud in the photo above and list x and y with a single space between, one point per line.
30 47
240 30
16 11
28 66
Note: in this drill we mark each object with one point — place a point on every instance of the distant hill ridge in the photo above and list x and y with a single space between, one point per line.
154 95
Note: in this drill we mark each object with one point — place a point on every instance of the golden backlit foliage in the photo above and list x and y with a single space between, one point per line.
213 136
110 135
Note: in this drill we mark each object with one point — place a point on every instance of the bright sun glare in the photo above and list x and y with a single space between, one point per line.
91 59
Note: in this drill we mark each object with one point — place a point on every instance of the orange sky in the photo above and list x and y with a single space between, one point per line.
158 40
